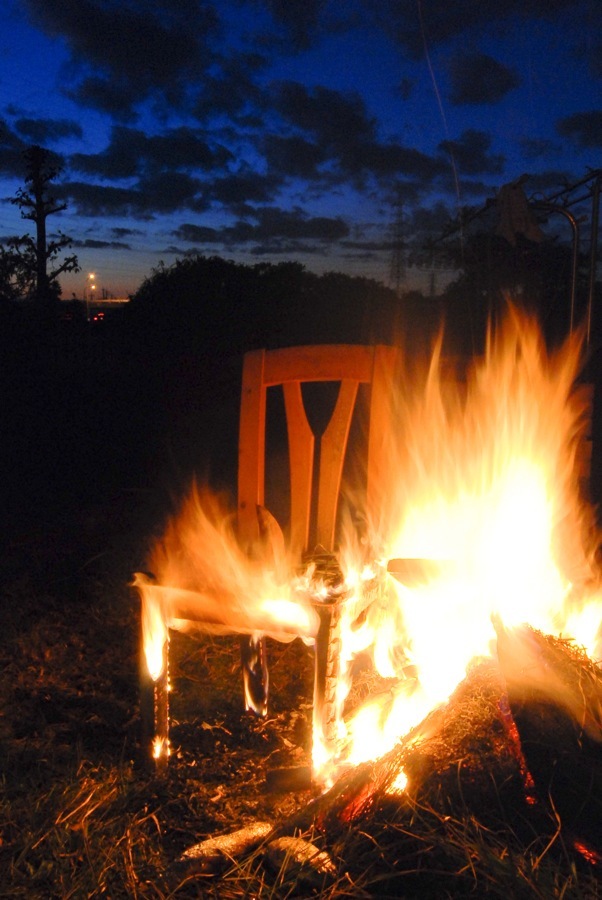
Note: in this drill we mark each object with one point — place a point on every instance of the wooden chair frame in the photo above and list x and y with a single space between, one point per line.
351 365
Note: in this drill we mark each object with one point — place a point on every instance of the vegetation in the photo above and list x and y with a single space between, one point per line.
24 263
229 306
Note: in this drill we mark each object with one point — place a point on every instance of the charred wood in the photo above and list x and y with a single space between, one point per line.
555 696
253 656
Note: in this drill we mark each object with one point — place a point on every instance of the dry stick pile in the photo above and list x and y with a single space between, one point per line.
517 742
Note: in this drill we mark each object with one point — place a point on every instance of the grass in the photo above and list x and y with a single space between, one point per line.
434 857
80 815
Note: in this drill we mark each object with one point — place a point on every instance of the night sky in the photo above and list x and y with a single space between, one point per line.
269 130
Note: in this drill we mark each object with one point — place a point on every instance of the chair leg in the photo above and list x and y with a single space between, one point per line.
154 713
253 655
326 673
161 748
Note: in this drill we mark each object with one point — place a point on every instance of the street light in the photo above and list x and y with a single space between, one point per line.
89 291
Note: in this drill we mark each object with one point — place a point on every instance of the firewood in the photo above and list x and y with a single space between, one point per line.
555 695
505 747
214 855
508 745
462 753
301 861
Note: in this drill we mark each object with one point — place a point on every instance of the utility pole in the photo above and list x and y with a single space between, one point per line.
398 263
89 289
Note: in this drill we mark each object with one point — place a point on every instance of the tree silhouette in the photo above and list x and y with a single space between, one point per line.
33 256
10 275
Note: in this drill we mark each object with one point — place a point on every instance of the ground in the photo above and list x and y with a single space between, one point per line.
82 814
70 726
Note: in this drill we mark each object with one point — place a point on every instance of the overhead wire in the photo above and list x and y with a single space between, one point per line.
450 150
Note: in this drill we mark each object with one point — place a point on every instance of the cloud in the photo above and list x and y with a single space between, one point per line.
163 166
332 117
288 248
292 156
583 128
240 188
299 20
405 88
11 152
120 232
131 152
93 244
537 148
343 135
429 220
297 224
116 97
471 153
207 115
165 195
594 51
391 160
476 189
198 234
150 196
587 45
45 131
232 91
369 248
139 47
272 227
479 79
413 24
100 200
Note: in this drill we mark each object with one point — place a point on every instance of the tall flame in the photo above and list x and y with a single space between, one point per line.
482 516
486 518
202 578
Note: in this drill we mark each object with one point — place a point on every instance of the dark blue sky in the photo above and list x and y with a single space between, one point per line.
265 130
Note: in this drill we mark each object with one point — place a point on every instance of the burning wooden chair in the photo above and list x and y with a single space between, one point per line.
315 483
316 471
212 575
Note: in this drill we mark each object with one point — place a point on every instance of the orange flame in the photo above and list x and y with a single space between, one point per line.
483 511
487 497
202 577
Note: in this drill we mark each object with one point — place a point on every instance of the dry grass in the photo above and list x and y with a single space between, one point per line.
81 817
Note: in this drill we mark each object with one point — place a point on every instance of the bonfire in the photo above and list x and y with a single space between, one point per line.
470 679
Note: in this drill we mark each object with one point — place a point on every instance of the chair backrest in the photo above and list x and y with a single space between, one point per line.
351 365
